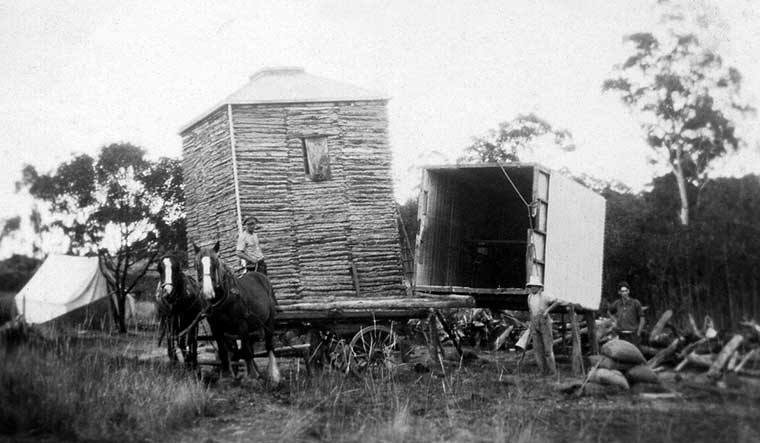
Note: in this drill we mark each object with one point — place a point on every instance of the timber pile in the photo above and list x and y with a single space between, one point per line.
730 359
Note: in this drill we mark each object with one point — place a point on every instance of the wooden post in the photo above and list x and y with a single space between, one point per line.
591 327
577 358
433 345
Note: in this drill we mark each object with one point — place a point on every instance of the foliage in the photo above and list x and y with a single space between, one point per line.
684 98
411 223
513 138
120 204
16 271
77 391
707 268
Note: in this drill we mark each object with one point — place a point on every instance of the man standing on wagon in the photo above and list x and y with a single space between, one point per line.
248 248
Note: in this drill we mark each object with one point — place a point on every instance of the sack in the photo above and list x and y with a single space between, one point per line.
623 351
641 374
608 377
608 363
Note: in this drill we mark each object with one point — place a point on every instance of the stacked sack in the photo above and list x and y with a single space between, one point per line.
620 367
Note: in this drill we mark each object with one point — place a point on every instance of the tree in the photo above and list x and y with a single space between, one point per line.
513 138
683 96
119 205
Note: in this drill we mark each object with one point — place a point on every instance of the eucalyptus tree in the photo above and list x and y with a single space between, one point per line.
120 205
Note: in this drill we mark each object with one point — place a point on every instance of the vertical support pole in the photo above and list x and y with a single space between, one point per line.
576 358
434 345
591 328
235 169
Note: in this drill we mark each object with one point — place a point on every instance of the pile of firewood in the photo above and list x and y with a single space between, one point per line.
729 357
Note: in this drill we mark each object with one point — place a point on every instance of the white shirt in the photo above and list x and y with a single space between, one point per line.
249 243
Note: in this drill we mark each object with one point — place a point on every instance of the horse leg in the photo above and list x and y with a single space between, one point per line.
272 369
192 352
182 345
221 349
171 336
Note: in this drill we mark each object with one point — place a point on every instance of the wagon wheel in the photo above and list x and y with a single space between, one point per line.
372 347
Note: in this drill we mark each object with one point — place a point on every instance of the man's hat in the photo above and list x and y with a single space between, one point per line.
624 284
250 219
534 281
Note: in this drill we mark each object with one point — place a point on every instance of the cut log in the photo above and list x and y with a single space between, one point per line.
499 342
694 329
732 361
724 355
753 325
746 358
664 354
701 360
685 351
654 335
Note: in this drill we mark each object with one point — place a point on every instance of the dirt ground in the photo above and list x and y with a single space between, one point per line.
489 397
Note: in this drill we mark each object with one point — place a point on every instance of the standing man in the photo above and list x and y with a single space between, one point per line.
628 314
540 305
248 248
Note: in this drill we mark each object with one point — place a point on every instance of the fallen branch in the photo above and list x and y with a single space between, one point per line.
687 350
746 358
724 355
664 353
654 335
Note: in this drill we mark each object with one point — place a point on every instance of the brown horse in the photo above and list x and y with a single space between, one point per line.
179 306
241 307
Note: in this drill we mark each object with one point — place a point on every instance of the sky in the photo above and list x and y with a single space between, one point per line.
77 75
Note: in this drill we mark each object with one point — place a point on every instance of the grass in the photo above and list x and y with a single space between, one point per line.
467 403
77 390
88 389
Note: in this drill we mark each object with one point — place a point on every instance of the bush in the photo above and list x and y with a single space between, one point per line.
73 392
8 309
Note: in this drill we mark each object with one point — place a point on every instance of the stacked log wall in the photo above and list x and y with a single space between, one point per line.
312 232
209 186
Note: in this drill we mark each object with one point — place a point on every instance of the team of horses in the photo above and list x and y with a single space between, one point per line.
237 309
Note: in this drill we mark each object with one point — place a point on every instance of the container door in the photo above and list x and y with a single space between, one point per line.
574 242
537 235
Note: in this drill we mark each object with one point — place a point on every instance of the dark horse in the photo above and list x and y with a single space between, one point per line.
240 307
179 307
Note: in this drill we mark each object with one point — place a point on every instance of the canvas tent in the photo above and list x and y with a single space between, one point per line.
66 288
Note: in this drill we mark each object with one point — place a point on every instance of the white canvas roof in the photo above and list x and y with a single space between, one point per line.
62 285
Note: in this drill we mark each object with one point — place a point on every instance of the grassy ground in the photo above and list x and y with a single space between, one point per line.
96 388
87 388
480 401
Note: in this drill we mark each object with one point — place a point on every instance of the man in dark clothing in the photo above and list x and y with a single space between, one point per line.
628 314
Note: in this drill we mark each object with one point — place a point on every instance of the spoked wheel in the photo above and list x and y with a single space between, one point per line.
372 348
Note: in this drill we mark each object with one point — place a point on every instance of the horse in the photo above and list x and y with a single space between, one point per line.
240 307
179 307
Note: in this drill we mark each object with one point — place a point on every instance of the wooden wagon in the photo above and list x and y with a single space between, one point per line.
309 157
